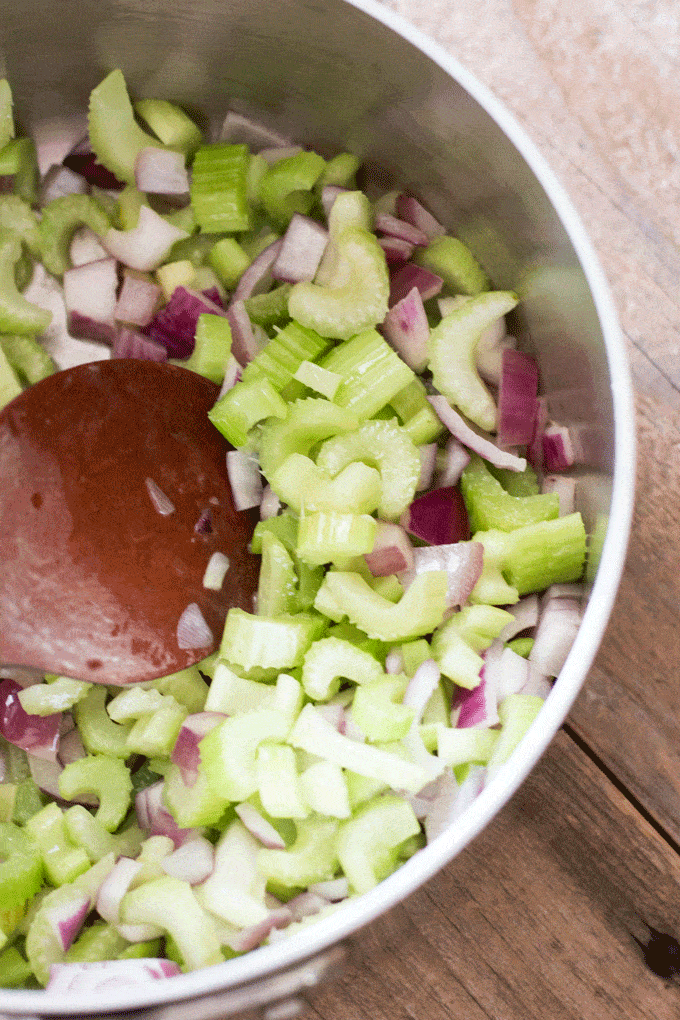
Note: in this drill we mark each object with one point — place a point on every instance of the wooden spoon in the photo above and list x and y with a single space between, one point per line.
113 497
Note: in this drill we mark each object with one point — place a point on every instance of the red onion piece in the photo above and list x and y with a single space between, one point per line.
392 225
421 687
162 503
71 747
438 517
107 975
453 800
258 276
232 375
517 395
482 445
270 504
525 616
204 524
559 450
60 180
394 662
259 827
216 571
306 904
409 276
508 673
45 774
244 344
564 590
245 479
411 210
555 634
535 447
185 753
334 890
83 161
114 887
301 249
392 551
329 193
538 685
66 920
275 153
161 172
191 862
462 562
146 245
36 734
406 328
174 327
250 938
90 300
456 460
397 251
476 707
86 247
129 343
565 487
138 300
192 630
154 817
334 714
428 462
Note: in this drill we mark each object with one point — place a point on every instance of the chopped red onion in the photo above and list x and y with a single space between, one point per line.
162 503
90 300
36 734
555 634
161 172
329 193
232 375
538 685
334 890
559 450
145 246
66 919
105 975
270 504
438 517
394 227
428 462
394 662
257 278
71 747
456 460
185 753
478 706
204 525
175 325
535 447
453 800
259 827
411 210
245 479
216 571
517 395
481 444
306 904
392 551
275 153
45 774
409 276
154 817
301 249
565 488
60 180
397 251
564 590
138 300
462 562
244 344
406 328
508 673
115 886
525 616
131 344
191 862
192 630
86 247
250 938
334 714
421 687
83 161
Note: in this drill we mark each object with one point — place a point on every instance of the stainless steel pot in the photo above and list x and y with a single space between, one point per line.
337 74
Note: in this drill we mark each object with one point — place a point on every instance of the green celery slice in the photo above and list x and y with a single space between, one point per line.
369 843
454 262
312 857
324 788
115 136
286 186
21 866
235 891
229 261
278 781
60 220
228 752
328 536
99 733
170 123
332 659
19 158
17 315
278 643
58 696
280 359
10 384
100 941
16 215
301 484
63 861
245 404
14 970
107 779
6 113
28 358
470 744
378 712
372 373
192 806
219 188
489 506
309 421
457 643
212 347
278 582
270 308
516 712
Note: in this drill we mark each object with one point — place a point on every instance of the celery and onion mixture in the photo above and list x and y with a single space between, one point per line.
421 554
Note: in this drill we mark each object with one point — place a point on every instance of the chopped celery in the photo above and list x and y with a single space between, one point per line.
212 346
10 386
324 788
87 832
62 860
454 262
99 733
187 687
278 781
170 904
489 506
16 215
277 643
17 315
301 484
319 379
378 712
516 712
457 644
521 646
269 309
128 207
280 359
43 945
452 347
6 113
228 752
219 188
179 273
235 891
229 261
21 865
309 421
341 171
170 123
326 536
19 159
115 136
517 483
195 805
243 406
234 695
311 858
107 779
332 659
155 733
286 186
14 970
277 585
59 696
100 941
414 654
368 843
60 220
471 744
372 373
28 358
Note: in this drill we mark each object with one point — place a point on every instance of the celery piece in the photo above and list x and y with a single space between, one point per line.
362 788
341 171
60 220
420 610
16 215
21 865
325 536
277 585
194 249
43 945
99 941
471 744
155 733
454 262
286 186
6 113
170 123
23 271
278 782
414 654
8 799
19 158
324 789
452 349
234 695
87 832
521 646
170 904
99 733
212 347
229 261
358 298
517 483
192 805
115 136
457 643
309 421
132 703
385 446
270 308
378 712
10 386
301 484
492 587
229 751
187 687
243 406
280 359
142 951
62 860
350 209
219 190
28 358
105 778
312 857
235 891
178 273
14 970
489 506
332 659
17 315
424 427
319 379
409 400
277 643
372 373
58 696
28 801
368 843
516 712
314 734
128 207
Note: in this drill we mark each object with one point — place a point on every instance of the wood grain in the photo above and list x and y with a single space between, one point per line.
536 919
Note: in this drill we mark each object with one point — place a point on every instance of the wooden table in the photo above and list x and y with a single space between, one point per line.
542 916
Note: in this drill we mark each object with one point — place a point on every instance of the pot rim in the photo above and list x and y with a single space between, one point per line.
356 913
